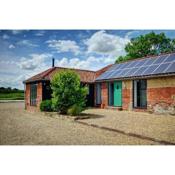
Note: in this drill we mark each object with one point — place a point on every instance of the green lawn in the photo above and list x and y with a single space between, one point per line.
12 96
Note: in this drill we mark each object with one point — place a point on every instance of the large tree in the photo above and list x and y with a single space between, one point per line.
146 45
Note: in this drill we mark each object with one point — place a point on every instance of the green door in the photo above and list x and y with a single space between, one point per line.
118 93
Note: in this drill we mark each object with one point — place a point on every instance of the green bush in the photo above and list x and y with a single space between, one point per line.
67 91
46 105
75 110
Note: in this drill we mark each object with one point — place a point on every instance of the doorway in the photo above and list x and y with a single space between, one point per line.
115 93
139 94
118 93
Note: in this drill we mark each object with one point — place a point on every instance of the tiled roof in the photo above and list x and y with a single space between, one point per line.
85 75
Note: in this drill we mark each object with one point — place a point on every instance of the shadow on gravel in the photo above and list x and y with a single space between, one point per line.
88 116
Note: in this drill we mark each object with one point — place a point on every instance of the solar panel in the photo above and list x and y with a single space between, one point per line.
111 75
170 58
116 73
140 63
132 71
149 61
171 69
140 71
150 69
149 66
122 73
103 76
126 65
132 64
161 68
160 59
126 71
121 66
113 67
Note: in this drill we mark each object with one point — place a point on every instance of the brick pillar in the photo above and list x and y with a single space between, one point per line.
27 96
127 95
104 95
39 94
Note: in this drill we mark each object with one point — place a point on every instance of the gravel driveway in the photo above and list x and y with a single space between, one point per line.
158 127
20 127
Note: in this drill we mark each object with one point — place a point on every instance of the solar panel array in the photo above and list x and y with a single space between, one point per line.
162 64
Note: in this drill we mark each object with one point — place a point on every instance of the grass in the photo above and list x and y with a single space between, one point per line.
12 96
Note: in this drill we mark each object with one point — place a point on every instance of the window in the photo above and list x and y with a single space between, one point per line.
139 93
33 94
98 93
111 94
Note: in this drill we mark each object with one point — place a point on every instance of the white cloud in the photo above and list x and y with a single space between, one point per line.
5 36
91 63
35 61
11 46
27 43
64 46
40 33
15 32
106 44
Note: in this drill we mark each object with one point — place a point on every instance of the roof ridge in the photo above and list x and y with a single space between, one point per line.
47 73
75 69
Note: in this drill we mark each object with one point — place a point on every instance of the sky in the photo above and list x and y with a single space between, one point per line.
24 53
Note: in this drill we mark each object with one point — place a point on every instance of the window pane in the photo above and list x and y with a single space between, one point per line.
140 97
33 94
98 93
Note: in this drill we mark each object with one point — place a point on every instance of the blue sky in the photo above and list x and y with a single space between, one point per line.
24 53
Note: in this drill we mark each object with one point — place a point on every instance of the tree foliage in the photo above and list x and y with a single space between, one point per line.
147 45
67 91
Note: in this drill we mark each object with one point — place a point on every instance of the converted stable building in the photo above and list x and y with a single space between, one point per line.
146 84
37 88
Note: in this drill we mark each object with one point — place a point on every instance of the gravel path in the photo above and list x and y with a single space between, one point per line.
159 127
20 127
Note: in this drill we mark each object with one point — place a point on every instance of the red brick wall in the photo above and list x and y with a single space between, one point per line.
127 94
27 96
104 94
38 100
126 98
161 95
161 99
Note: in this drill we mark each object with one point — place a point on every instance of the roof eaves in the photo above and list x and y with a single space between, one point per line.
138 77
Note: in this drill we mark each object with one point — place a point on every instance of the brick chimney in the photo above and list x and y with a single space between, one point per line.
53 62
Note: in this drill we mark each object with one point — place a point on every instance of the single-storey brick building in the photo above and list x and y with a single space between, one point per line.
37 88
146 84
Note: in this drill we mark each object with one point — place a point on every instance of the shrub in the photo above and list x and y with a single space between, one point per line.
75 110
67 91
46 105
